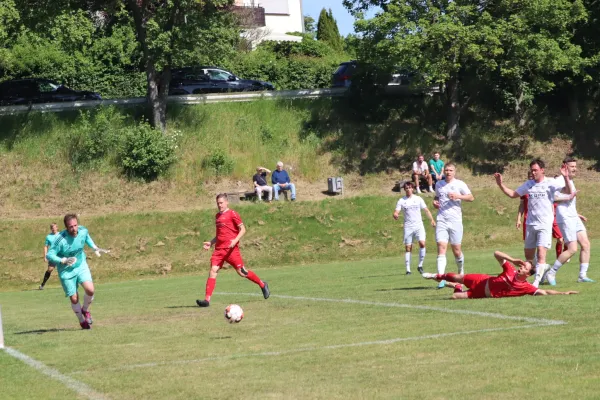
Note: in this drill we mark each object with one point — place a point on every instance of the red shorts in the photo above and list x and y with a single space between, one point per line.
233 257
476 284
555 231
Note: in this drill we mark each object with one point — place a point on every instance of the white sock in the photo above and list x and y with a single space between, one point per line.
407 261
460 263
87 301
430 189
556 266
77 310
583 267
422 256
539 273
441 264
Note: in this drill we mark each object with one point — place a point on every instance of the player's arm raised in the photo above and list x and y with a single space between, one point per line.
549 292
501 257
507 191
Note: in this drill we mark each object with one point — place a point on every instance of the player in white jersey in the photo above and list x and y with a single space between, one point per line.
540 216
449 195
572 228
411 207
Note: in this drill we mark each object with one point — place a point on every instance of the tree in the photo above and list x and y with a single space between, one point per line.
309 24
327 30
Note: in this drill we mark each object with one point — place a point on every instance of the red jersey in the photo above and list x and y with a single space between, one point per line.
228 225
507 285
525 199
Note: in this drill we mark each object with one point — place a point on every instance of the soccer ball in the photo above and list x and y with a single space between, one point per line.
233 313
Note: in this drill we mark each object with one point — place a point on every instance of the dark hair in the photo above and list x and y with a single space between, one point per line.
69 217
537 161
221 196
436 152
569 159
407 184
532 270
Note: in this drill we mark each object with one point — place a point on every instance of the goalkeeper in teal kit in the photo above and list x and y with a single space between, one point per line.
67 253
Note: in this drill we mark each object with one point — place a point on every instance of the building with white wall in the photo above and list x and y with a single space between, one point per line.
281 16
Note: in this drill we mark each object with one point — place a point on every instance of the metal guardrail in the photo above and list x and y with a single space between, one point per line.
190 99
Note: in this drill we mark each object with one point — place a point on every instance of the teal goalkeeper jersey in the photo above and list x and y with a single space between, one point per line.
66 245
50 238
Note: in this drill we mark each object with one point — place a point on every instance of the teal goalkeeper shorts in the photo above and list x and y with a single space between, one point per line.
70 284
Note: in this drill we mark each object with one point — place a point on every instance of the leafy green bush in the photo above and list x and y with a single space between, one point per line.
96 137
219 163
146 153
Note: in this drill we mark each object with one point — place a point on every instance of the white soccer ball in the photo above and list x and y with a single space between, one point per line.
234 313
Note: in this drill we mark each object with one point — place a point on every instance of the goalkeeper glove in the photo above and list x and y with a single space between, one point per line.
68 261
100 251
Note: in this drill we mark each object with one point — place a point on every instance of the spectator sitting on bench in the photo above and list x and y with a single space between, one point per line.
436 168
281 181
260 183
421 171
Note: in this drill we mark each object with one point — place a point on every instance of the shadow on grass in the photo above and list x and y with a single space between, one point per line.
405 288
182 307
41 331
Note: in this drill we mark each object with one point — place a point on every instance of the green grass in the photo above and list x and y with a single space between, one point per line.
152 243
299 348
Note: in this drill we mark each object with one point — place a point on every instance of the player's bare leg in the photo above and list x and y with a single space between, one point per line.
77 310
584 256
541 266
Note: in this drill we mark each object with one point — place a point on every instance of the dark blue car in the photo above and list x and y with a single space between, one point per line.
200 80
35 90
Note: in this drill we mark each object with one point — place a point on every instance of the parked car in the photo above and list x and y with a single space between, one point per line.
399 82
199 80
35 90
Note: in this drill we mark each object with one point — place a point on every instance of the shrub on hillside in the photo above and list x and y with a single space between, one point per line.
219 163
146 153
96 136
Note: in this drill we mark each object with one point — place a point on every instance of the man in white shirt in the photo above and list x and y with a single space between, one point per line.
411 207
421 170
449 195
572 228
540 216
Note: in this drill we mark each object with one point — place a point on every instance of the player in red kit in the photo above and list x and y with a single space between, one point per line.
512 282
230 230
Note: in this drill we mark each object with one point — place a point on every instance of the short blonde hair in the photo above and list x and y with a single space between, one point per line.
279 164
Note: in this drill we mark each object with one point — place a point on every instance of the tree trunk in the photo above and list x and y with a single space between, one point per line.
453 109
156 95
519 117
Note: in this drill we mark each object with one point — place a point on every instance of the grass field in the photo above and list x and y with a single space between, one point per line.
348 330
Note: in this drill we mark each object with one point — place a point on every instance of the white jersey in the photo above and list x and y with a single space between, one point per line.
450 210
411 207
540 206
566 210
420 167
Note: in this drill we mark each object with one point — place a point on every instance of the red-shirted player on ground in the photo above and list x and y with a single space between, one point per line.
230 230
511 282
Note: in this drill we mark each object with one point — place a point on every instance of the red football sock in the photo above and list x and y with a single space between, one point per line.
446 277
559 249
254 278
210 288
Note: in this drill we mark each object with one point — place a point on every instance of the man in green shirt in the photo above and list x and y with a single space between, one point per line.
436 167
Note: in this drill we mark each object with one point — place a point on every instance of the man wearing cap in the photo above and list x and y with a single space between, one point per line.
260 183
281 181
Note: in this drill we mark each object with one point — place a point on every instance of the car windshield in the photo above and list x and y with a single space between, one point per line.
341 69
218 75
47 86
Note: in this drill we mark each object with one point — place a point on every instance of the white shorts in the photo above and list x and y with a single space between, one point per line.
449 232
538 237
570 229
414 232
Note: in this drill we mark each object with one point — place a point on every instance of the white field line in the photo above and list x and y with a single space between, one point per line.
79 387
539 321
533 323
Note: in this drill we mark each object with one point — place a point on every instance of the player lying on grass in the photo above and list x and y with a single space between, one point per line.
230 230
510 283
